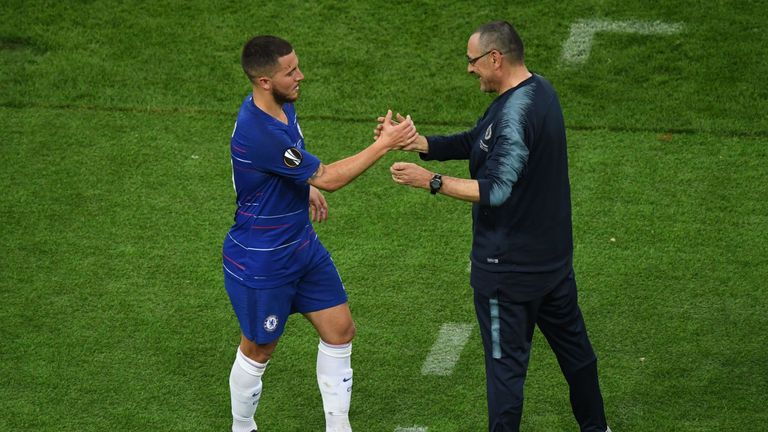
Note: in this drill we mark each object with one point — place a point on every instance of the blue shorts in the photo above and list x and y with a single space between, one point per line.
262 313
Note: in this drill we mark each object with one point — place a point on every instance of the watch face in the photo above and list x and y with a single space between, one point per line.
435 184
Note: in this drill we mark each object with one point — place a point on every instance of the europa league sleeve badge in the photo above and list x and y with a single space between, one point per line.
292 157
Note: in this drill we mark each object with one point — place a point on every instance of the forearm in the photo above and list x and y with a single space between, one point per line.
459 188
340 173
443 148
410 174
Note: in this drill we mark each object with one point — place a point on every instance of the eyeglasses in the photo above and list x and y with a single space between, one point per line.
472 61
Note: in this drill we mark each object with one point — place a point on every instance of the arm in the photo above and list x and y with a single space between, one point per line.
333 177
442 148
340 173
504 166
459 188
413 175
449 147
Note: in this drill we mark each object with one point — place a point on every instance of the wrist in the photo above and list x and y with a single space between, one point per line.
382 143
435 184
380 146
423 144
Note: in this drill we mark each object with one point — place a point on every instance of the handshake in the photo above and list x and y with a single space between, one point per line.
399 134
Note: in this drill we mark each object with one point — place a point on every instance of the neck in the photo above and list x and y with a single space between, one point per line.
516 75
266 102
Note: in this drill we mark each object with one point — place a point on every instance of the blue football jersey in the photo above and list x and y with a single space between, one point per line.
270 169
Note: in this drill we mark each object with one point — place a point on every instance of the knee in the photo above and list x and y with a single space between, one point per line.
342 336
351 331
347 334
257 352
262 354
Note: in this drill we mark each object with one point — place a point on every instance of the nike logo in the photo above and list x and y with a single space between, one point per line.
346 379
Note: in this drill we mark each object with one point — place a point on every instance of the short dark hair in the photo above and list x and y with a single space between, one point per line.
502 36
260 55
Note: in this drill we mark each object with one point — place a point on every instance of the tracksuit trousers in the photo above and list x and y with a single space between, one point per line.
507 327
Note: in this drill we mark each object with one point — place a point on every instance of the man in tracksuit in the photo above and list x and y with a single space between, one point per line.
522 250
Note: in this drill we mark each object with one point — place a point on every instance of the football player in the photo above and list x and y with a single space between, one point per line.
273 263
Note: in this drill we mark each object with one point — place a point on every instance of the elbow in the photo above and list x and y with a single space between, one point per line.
328 179
496 203
499 195
333 188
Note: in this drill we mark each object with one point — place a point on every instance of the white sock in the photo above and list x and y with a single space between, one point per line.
334 377
245 391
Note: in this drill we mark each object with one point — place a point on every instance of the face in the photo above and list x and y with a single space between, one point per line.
479 63
285 80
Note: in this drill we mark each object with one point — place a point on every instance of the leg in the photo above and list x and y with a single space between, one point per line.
561 322
261 315
245 382
334 365
507 330
323 301
334 325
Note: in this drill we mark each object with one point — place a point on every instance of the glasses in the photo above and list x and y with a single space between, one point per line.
472 61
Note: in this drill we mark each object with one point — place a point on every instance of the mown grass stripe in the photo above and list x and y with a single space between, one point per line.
755 133
446 350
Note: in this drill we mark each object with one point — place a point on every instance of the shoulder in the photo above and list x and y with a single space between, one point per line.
252 127
535 96
545 91
517 104
541 81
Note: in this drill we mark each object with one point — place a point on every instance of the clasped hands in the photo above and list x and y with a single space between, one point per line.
405 173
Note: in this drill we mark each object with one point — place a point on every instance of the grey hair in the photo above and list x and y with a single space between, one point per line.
502 36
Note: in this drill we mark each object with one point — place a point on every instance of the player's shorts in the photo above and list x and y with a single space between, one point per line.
262 313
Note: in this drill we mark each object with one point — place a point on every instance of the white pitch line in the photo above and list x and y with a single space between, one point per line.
577 47
446 350
411 429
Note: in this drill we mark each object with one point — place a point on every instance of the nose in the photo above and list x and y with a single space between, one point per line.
299 75
470 68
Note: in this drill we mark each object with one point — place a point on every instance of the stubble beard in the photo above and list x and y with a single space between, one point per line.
486 87
283 98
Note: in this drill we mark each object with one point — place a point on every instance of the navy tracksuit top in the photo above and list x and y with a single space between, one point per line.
517 152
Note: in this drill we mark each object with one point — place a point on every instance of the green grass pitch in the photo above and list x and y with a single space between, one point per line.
116 194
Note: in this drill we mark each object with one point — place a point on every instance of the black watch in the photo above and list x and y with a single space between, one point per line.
435 184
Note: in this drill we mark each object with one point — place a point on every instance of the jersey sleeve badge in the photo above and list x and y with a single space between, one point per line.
292 157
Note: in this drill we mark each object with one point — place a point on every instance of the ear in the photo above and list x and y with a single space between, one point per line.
497 59
264 82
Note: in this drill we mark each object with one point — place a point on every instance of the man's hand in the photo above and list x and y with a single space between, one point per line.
318 206
396 135
410 174
380 125
418 144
